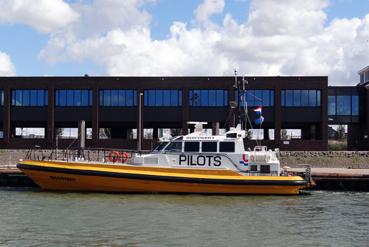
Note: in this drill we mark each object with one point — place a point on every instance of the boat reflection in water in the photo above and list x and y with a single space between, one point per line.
194 163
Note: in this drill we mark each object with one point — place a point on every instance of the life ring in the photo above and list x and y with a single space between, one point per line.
123 157
114 156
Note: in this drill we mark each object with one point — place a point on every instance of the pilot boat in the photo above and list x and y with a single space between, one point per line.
193 163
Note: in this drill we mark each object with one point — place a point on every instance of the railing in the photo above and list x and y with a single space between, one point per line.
118 156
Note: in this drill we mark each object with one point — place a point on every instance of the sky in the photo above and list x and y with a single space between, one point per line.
185 37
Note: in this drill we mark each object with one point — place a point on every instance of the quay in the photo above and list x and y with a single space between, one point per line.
337 179
10 176
343 179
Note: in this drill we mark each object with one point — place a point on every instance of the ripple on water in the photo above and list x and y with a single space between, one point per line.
321 218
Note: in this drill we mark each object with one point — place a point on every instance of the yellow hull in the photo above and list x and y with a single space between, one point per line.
63 176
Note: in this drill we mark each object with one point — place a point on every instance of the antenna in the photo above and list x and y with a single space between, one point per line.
235 78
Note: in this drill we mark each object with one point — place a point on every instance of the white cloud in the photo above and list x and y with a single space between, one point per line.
43 15
6 65
208 8
290 37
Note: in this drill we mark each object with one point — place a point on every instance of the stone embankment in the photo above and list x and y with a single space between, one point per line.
10 157
326 159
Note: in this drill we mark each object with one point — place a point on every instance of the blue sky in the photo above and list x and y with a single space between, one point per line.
33 52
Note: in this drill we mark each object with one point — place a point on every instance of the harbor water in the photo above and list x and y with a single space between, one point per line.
36 218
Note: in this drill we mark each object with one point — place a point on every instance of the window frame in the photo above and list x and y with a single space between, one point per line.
222 148
29 97
203 98
209 142
73 97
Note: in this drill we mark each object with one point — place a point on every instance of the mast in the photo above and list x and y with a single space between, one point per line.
244 82
238 97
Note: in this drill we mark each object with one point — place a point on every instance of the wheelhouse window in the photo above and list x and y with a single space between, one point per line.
226 147
300 98
163 97
208 98
73 97
32 97
160 146
115 97
209 147
191 146
175 147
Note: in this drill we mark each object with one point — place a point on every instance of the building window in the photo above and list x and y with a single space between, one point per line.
1 97
73 97
331 105
117 97
163 97
210 98
343 105
29 132
257 98
25 97
355 105
300 98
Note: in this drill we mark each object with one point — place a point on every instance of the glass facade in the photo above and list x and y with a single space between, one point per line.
25 97
300 98
115 97
163 97
264 97
209 98
343 105
73 97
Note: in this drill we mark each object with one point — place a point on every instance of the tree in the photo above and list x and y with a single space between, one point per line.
341 132
284 135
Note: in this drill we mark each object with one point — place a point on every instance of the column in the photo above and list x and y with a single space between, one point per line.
277 114
95 116
51 117
266 134
215 128
7 108
324 114
185 110
139 118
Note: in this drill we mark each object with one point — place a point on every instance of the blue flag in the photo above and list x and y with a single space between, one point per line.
259 120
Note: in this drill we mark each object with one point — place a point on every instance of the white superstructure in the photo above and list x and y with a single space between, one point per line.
200 150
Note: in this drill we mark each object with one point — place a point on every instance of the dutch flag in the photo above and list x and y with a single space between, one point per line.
259 120
258 110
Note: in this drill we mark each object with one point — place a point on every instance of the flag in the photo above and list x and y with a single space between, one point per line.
258 110
259 120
